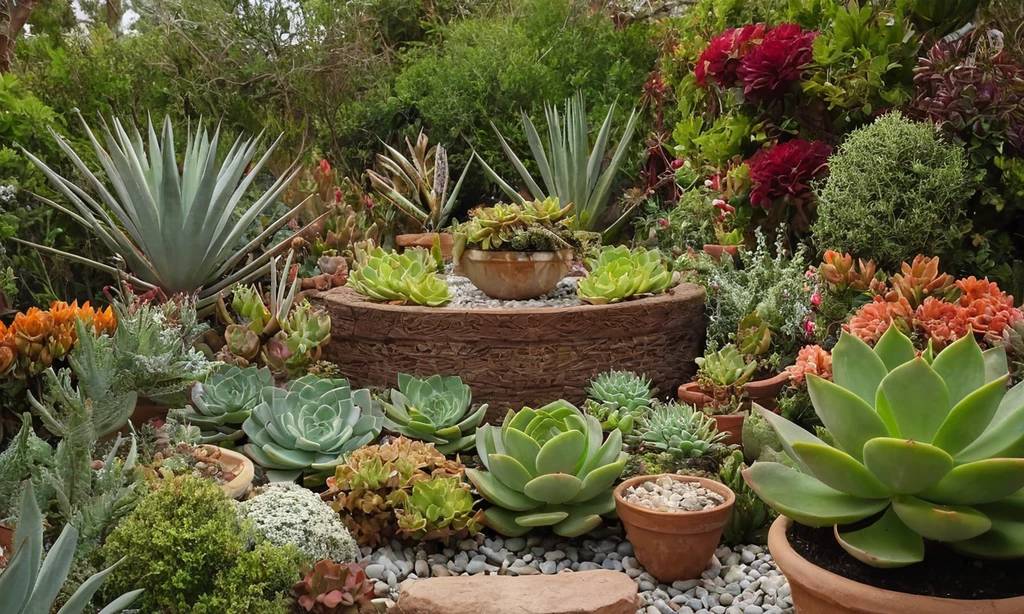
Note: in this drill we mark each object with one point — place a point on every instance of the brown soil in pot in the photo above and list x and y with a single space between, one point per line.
674 545
824 579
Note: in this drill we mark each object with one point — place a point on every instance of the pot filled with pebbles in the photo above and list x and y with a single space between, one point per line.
674 522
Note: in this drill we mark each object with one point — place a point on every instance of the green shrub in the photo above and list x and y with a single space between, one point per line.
895 189
178 540
258 583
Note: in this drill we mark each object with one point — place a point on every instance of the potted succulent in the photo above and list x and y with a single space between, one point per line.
926 449
718 389
418 187
516 252
674 522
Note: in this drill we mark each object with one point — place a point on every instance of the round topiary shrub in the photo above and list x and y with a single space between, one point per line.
289 514
895 189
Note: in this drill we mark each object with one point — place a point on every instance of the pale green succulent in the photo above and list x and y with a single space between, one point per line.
407 277
547 467
30 584
437 509
725 367
619 273
309 426
936 447
435 410
176 230
620 398
677 429
223 402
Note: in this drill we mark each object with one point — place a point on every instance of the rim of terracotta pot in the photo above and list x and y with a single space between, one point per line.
668 519
483 255
836 589
693 388
768 387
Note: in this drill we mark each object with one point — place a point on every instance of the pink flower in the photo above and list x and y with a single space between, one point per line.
338 195
786 170
778 60
325 166
722 57
809 327
816 299
663 222
677 163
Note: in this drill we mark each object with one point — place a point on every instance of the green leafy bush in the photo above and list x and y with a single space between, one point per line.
258 582
895 189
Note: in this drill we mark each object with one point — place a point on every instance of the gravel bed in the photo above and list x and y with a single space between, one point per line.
467 296
741 580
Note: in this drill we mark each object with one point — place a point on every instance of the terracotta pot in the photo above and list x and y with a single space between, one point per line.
716 251
239 464
6 539
426 239
817 591
515 276
732 426
146 410
674 545
692 394
766 388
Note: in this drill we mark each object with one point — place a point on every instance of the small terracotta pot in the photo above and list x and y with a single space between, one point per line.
716 251
426 239
818 591
515 276
674 545
691 393
732 426
6 539
240 465
146 410
766 388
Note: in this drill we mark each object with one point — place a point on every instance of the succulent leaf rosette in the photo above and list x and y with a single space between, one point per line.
547 467
619 399
309 426
619 273
409 277
435 410
223 402
678 430
935 446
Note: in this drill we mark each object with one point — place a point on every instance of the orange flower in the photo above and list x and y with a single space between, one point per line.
941 321
32 326
987 309
921 279
873 319
812 359
103 321
7 355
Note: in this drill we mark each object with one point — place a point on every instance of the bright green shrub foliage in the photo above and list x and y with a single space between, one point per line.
256 584
895 189
178 539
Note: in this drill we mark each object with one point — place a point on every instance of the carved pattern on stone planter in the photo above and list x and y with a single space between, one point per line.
517 357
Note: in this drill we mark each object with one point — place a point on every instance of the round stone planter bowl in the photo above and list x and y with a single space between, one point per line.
674 545
818 591
515 276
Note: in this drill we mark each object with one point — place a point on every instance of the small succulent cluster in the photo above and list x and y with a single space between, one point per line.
618 399
437 509
281 334
540 225
933 443
436 409
409 277
335 588
619 273
38 337
224 401
286 514
547 467
377 480
841 272
724 368
309 426
678 430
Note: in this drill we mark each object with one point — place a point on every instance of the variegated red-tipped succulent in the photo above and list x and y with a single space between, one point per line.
335 588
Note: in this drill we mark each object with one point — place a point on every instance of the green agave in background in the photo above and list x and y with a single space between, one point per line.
934 445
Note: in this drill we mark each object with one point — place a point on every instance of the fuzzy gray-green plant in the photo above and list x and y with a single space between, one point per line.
895 189
289 514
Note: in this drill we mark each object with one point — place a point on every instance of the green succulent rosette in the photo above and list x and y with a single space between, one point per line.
435 410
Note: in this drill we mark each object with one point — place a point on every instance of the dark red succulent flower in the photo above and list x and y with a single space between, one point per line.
779 59
722 56
786 170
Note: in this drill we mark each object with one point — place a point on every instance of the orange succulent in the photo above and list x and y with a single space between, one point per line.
8 351
812 359
874 318
940 321
921 279
839 271
103 321
987 309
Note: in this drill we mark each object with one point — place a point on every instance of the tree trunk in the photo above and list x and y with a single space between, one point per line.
14 15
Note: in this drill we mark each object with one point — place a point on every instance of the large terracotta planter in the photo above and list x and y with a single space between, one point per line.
426 239
515 276
674 545
238 464
817 591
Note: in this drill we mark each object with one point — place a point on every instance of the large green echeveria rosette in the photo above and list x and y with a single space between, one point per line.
436 410
224 401
547 467
933 445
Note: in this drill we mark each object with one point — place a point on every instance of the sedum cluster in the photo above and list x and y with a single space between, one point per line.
286 514
619 273
436 410
409 277
933 444
377 480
